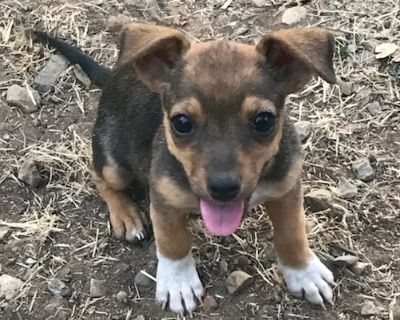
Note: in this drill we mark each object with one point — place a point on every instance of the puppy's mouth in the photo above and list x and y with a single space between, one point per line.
222 219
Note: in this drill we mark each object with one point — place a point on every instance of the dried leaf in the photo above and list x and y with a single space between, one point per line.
385 50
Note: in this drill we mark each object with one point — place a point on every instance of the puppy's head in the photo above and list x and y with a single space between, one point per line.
223 105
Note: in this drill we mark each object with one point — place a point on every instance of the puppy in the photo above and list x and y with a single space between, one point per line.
202 127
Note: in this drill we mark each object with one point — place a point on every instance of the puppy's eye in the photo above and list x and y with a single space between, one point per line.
182 124
263 122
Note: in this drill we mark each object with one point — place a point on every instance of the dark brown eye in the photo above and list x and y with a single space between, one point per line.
263 122
182 124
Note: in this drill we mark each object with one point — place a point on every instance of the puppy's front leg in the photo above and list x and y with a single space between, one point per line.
303 272
177 276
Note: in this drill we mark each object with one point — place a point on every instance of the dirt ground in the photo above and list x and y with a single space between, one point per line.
59 230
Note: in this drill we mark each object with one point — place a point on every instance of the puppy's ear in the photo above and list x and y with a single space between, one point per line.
294 55
152 51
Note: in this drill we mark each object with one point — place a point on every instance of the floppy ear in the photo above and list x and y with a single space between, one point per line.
152 51
294 55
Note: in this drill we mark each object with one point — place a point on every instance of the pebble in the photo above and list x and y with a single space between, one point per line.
303 129
294 15
140 317
115 23
58 288
97 288
142 280
363 170
374 108
28 100
338 211
48 76
9 286
223 266
368 309
345 261
261 3
122 296
4 233
363 95
346 189
361 268
346 88
210 304
236 280
29 174
319 199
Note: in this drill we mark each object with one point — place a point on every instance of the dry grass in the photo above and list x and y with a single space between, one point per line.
60 226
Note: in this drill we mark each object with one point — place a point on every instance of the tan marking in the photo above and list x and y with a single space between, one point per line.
252 105
190 107
276 189
170 230
288 220
191 160
174 195
125 216
252 160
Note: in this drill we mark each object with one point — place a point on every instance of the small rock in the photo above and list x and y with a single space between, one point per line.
81 76
210 304
363 95
29 174
346 189
363 170
368 309
294 15
361 268
345 261
345 87
9 286
239 32
338 211
122 296
97 288
115 23
28 100
303 129
236 280
4 233
140 317
261 3
319 200
48 76
141 280
374 108
223 266
58 288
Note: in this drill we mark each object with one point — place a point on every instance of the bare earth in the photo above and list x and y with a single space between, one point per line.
59 230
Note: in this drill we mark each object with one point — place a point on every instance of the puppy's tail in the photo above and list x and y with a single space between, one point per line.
97 73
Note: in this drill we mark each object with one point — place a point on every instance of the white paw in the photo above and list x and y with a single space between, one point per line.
178 280
313 281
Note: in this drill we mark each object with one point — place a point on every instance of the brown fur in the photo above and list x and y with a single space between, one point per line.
288 220
172 237
124 213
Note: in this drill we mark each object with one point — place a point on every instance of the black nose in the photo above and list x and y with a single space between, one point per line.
223 189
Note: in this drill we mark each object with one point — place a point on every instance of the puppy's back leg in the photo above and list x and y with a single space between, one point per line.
113 181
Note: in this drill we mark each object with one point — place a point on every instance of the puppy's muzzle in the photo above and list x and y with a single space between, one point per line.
223 189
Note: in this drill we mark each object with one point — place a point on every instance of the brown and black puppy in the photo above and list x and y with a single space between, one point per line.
202 127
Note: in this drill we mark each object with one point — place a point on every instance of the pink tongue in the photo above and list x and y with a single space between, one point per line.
221 220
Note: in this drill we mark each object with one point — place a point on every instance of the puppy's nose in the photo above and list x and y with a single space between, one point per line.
223 189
